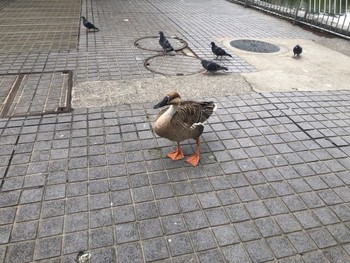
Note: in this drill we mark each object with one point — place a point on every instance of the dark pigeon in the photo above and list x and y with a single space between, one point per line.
218 51
212 66
88 25
297 50
165 44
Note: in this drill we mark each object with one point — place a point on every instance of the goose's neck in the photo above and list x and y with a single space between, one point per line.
172 110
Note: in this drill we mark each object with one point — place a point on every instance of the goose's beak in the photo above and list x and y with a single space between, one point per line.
163 103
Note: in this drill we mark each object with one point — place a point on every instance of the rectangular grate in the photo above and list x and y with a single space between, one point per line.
30 94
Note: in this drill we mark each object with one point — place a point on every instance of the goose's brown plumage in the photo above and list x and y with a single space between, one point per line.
181 121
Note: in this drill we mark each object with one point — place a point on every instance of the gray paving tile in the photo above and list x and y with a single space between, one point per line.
294 203
216 216
312 200
322 237
259 251
237 213
280 246
20 252
329 197
287 223
50 227
27 196
195 220
150 228
342 211
103 255
268 227
48 247
335 254
173 224
225 235
24 231
155 249
180 244
101 237
211 256
276 206
146 211
130 252
235 253
188 203
257 209
76 222
167 206
75 242
99 201
307 219
326 215
340 232
208 200
25 212
100 218
143 194
126 233
228 197
247 231
315 256
202 240
301 242
246 194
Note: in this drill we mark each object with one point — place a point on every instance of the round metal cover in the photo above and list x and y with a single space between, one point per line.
174 65
254 46
152 43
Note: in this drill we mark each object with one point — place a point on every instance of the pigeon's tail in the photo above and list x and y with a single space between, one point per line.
96 29
229 55
223 68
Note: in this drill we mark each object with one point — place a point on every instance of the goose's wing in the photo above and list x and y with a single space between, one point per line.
190 112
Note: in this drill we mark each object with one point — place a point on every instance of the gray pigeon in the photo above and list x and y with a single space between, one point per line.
89 25
212 66
218 51
297 50
165 44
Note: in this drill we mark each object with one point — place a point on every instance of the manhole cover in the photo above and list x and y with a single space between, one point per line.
254 46
177 65
152 43
35 93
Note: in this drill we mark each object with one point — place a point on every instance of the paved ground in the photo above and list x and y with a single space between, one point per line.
272 184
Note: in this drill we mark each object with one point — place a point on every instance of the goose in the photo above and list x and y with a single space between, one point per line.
181 121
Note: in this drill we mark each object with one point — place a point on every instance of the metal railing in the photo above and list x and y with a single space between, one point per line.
329 15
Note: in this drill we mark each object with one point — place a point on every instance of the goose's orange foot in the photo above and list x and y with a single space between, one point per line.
193 159
176 155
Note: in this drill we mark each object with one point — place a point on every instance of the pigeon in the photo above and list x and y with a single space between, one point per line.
164 43
297 50
218 51
212 66
88 25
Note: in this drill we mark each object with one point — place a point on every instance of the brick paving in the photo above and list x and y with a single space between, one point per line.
272 184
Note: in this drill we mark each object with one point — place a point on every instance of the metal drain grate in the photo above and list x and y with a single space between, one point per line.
30 94
177 65
152 43
254 46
